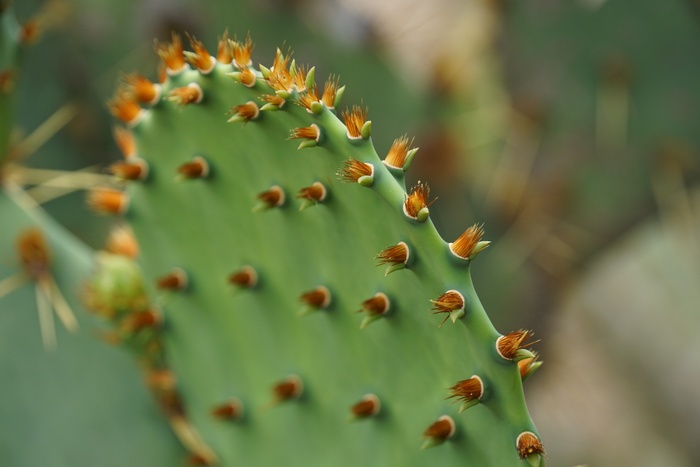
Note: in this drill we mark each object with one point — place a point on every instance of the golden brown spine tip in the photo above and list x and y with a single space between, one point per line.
121 241
330 92
186 95
308 98
230 410
7 81
451 303
175 280
289 388
368 406
394 255
529 444
439 432
417 202
513 345
246 277
246 77
378 305
224 52
318 298
354 120
271 198
33 252
198 167
468 391
398 152
311 132
316 192
134 169
273 99
469 243
125 108
299 79
139 320
242 52
244 112
30 31
107 201
200 57
279 78
125 141
353 170
172 54
142 89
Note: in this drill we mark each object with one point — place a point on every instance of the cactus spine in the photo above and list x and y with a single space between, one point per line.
227 147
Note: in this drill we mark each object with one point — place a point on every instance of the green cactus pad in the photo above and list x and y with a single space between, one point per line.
239 328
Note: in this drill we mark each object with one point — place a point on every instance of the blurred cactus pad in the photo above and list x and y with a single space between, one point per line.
311 313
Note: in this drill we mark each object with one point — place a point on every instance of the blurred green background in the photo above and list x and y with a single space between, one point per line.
570 128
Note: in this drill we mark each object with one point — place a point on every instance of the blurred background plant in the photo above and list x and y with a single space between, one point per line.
569 128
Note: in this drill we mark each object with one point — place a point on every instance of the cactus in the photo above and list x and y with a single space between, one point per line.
58 386
258 213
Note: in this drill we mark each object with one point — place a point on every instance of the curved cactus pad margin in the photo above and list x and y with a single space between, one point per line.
268 228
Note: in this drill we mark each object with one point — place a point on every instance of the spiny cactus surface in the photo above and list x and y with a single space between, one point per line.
261 218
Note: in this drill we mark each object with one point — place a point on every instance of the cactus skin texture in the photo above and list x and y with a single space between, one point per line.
218 206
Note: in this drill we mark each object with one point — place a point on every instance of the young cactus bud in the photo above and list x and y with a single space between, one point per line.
528 366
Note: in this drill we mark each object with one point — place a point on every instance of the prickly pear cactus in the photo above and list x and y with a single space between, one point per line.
312 314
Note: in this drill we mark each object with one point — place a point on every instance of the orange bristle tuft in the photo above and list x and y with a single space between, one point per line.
107 201
172 54
354 119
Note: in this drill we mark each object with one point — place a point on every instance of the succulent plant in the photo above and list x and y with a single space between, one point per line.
61 385
261 217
